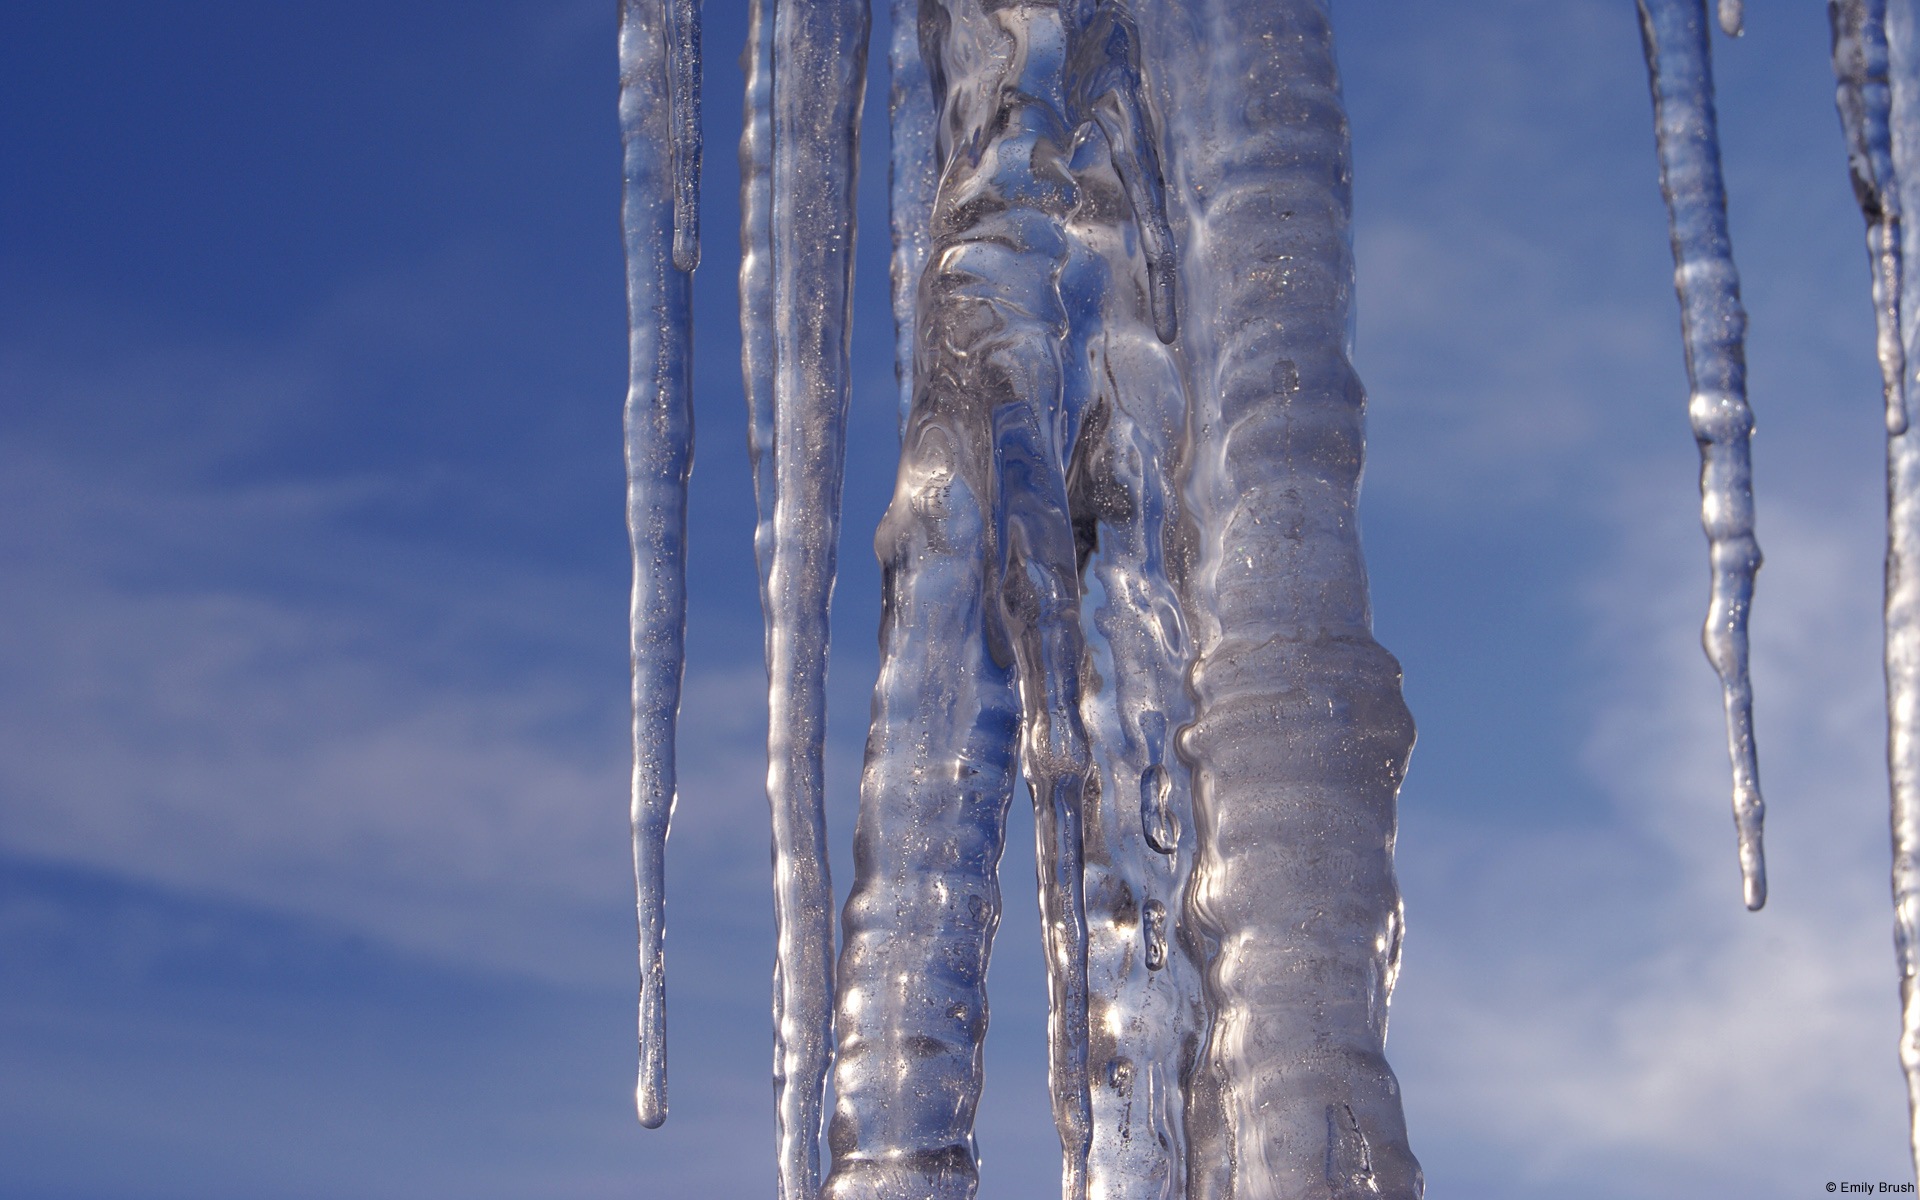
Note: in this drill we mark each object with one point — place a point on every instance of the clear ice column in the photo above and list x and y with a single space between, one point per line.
1300 737
799 157
1713 324
1903 564
659 130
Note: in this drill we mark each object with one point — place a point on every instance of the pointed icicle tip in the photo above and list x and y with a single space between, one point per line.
1733 23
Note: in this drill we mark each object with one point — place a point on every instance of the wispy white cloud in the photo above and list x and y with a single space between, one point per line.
1595 1003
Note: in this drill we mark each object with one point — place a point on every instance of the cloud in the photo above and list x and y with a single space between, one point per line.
1595 1003
254 687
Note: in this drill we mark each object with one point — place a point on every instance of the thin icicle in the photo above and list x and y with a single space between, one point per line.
911 178
819 61
1733 17
756 281
1865 101
659 451
683 93
1713 324
1903 569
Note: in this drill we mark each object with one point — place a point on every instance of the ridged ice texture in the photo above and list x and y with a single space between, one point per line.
798 193
1865 100
1713 324
1903 572
1299 737
911 179
659 451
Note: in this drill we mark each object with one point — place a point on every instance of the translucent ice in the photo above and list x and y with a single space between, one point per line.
1679 64
659 441
805 87
1903 561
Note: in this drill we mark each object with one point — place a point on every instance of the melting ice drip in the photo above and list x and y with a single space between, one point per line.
1121 562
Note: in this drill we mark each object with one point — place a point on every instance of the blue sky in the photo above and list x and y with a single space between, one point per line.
313 875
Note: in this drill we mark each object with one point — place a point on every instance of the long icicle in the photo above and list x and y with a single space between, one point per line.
819 62
1903 566
659 452
1713 324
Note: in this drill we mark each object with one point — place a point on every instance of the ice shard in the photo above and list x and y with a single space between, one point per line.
1903 562
659 453
1713 323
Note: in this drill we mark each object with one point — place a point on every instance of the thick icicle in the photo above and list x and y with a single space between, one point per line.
659 449
1865 100
819 62
1903 568
1713 324
911 178
1299 738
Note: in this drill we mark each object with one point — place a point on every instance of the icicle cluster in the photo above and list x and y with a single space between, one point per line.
1680 68
1121 565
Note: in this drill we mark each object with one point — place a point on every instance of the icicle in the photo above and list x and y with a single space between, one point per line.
1107 89
1903 567
1299 738
1145 1002
981 572
659 440
802 314
1714 325
1864 99
683 97
910 184
1733 17
756 285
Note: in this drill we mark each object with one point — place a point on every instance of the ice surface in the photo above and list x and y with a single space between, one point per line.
1679 64
659 450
